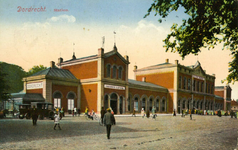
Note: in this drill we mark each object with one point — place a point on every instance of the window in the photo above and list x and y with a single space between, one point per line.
194 85
198 83
143 103
208 88
108 70
157 105
57 102
189 84
136 104
128 103
202 87
120 73
184 83
163 105
212 89
114 72
70 104
180 78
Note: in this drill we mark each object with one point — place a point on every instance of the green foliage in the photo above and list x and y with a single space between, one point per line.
35 69
10 79
210 22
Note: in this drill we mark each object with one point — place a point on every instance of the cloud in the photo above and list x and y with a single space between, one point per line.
63 18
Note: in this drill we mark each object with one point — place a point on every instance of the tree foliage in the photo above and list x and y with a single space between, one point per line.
35 69
210 22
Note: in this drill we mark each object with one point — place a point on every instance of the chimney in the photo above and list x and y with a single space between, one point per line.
73 57
135 68
60 60
52 64
143 79
100 52
176 62
126 57
167 60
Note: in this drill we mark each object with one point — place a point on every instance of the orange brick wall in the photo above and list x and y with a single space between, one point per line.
119 92
89 97
40 91
114 59
219 93
84 70
65 90
162 79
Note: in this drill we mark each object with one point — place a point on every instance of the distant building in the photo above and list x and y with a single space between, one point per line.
225 93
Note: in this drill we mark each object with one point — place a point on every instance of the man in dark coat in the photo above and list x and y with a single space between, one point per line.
34 115
109 120
102 114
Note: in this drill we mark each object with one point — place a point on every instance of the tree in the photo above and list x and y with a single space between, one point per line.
210 22
35 69
4 87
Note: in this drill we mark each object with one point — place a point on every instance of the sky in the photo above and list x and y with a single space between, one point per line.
44 34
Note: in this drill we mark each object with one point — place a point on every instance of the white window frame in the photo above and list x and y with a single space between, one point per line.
70 104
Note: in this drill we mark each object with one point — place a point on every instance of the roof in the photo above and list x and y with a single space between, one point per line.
56 72
140 83
156 66
81 58
29 97
216 96
219 87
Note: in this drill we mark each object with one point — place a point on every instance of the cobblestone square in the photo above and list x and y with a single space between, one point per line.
166 132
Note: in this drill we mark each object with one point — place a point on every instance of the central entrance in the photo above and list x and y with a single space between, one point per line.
113 103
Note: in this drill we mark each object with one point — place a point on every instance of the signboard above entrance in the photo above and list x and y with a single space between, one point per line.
114 87
38 85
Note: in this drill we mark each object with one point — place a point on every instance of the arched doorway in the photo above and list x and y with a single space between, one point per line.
143 103
150 104
113 103
157 105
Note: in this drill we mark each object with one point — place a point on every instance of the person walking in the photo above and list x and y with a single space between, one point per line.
75 111
190 112
153 112
134 113
108 121
142 112
79 112
34 115
57 120
174 113
102 114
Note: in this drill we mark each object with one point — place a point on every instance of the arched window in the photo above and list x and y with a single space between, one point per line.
108 70
163 105
57 99
71 97
114 72
120 73
143 103
136 104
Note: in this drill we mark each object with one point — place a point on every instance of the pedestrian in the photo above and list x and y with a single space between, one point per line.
134 113
142 112
34 115
190 114
57 120
153 112
75 111
174 113
62 109
102 114
108 121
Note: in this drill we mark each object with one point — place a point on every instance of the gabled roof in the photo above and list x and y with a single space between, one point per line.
145 84
115 52
56 72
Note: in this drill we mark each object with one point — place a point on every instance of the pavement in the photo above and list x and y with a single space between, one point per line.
166 133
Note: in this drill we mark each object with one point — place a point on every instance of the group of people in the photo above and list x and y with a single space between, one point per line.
147 113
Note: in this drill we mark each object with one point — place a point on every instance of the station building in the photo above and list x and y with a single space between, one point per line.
101 80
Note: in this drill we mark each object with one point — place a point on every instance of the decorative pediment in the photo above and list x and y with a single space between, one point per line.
197 69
